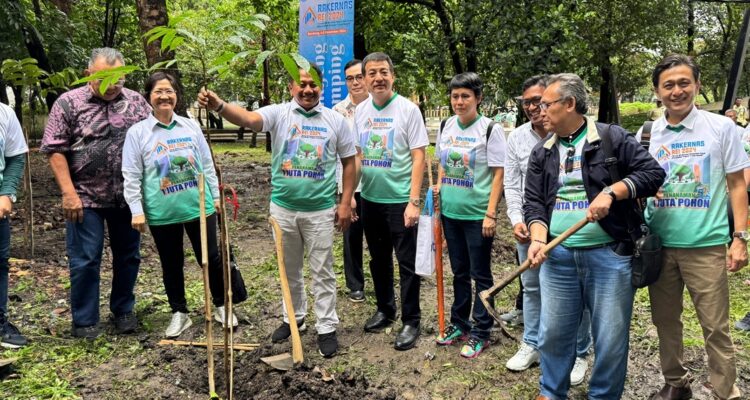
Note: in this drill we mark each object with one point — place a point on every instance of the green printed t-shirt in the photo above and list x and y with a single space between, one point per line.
170 158
467 159
697 155
303 161
386 137
571 203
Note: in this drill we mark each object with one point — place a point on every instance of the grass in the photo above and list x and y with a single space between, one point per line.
242 152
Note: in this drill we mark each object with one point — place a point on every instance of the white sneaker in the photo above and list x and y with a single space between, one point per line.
523 359
579 371
180 322
219 316
513 317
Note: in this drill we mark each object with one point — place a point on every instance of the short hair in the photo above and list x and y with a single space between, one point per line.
675 60
160 76
314 66
571 87
467 80
729 110
536 80
110 55
377 56
351 63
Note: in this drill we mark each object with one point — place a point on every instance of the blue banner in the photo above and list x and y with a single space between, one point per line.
326 37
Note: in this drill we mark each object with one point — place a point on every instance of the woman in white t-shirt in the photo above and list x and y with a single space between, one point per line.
162 158
470 182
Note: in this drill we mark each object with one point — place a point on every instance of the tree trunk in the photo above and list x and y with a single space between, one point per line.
34 45
691 29
153 13
18 108
4 93
608 108
63 5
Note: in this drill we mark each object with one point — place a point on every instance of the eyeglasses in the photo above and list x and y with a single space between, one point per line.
352 78
569 160
531 102
164 92
544 106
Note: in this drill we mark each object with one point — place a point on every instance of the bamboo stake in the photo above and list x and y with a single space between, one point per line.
227 270
206 292
237 346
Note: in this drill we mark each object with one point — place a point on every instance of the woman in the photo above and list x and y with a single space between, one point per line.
470 181
161 160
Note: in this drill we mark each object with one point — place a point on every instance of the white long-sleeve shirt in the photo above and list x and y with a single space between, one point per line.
520 143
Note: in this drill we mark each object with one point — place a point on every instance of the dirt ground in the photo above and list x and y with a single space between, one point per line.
367 366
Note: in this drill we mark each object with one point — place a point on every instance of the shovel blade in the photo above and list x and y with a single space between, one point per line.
281 362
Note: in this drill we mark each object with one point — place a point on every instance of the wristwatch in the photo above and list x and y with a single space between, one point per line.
744 236
12 197
414 202
608 191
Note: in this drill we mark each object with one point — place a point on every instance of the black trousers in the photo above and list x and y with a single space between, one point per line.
355 277
385 232
169 244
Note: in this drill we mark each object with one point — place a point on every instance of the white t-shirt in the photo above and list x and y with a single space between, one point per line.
12 141
305 145
386 136
697 154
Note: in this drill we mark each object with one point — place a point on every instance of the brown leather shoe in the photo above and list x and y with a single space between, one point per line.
669 392
540 397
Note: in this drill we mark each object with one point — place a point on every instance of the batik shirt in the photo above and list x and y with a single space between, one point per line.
90 132
303 161
467 159
697 154
387 135
161 164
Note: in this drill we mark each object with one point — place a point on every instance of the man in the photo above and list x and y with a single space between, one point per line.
83 140
306 139
703 157
13 149
741 111
520 143
732 114
393 138
567 180
355 277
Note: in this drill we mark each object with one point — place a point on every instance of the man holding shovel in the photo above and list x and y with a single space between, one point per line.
567 181
306 138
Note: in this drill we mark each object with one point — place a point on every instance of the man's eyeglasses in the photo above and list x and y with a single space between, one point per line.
526 103
569 160
544 106
352 78
164 92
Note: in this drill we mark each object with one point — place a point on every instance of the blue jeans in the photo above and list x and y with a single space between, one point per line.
571 280
85 242
469 253
532 305
4 254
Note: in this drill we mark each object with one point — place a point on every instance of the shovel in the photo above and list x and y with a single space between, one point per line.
486 295
284 361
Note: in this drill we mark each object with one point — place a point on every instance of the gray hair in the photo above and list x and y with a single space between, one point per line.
571 87
110 55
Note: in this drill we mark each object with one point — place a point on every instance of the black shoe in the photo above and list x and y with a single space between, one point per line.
125 323
407 338
86 332
284 331
328 345
377 322
10 336
356 296
744 323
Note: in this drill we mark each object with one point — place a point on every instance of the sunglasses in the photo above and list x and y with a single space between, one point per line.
569 160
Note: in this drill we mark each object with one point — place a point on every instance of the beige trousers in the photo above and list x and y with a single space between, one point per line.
703 271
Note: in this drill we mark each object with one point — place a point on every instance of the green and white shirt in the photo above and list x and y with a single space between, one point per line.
161 164
303 161
571 202
387 135
697 155
467 159
12 141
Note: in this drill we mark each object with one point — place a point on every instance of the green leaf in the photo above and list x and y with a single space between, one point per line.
262 57
176 20
258 24
316 78
301 61
263 17
166 41
176 42
290 66
236 40
155 33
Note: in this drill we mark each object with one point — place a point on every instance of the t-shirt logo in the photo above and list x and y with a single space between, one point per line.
688 180
176 164
305 152
458 159
376 142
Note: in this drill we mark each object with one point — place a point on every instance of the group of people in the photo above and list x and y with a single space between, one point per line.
131 162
